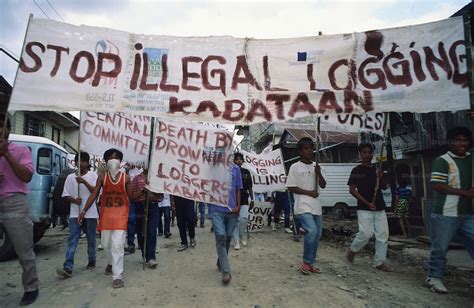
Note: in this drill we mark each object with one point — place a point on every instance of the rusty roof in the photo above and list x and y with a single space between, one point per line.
326 136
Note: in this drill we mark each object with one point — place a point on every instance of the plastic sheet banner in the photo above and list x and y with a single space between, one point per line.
418 68
267 170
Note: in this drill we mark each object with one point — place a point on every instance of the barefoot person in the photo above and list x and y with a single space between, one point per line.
301 182
371 217
113 220
87 181
16 170
451 177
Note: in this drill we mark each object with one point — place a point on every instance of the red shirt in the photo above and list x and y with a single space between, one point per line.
113 204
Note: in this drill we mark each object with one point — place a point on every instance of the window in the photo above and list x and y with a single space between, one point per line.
63 164
33 126
44 161
57 164
56 137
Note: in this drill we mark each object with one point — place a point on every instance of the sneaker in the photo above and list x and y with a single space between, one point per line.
100 247
64 273
29 297
315 270
167 235
130 249
108 270
274 227
305 268
192 243
237 245
436 285
226 277
302 231
183 247
118 283
83 235
90 265
152 263
383 267
244 243
288 230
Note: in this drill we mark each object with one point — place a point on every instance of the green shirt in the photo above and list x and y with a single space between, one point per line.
456 172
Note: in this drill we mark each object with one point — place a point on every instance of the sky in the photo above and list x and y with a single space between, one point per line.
257 19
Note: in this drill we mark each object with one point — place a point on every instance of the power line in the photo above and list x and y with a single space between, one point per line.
41 9
55 10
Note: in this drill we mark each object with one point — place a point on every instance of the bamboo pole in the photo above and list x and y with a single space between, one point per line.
379 165
147 195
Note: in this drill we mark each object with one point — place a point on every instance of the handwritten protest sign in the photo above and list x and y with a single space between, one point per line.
354 123
419 68
128 133
258 215
192 161
267 169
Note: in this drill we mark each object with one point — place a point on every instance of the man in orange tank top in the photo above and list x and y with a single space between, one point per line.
114 204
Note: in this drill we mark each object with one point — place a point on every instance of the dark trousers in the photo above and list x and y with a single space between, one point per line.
166 212
131 230
282 202
151 228
185 216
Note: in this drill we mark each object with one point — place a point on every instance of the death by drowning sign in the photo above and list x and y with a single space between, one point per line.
128 133
419 68
267 170
192 161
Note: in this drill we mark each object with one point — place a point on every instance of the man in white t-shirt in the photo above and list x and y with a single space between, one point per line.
86 182
301 182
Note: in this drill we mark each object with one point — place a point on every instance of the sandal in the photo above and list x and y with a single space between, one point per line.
118 283
383 267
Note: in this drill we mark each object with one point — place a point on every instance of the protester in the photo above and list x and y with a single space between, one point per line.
77 199
402 204
113 220
371 217
16 170
202 214
131 227
451 178
164 209
301 182
185 216
224 220
282 203
245 193
139 197
61 206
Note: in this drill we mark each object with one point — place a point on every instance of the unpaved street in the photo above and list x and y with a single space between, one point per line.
264 273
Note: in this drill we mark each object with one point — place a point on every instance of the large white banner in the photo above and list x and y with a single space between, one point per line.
128 133
354 123
267 169
192 161
241 81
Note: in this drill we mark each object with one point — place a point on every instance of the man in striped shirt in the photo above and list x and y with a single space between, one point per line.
451 179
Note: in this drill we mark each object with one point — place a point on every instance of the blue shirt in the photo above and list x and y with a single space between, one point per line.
403 192
236 185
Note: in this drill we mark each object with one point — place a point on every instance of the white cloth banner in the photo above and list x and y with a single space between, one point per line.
354 123
258 215
242 81
128 133
192 161
267 169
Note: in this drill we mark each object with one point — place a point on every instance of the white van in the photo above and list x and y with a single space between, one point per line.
336 196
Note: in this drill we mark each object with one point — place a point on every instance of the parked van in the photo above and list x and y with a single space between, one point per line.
49 159
336 196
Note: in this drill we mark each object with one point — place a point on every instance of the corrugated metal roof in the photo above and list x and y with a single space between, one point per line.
326 136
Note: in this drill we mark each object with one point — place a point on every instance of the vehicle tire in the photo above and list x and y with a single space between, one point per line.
340 211
7 251
38 231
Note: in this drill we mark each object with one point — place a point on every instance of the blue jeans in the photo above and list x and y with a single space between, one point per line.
223 224
151 229
166 212
89 225
282 202
202 213
131 230
443 229
313 228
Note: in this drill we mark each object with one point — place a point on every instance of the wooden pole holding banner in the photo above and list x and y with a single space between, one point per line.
5 119
317 142
147 195
379 164
79 161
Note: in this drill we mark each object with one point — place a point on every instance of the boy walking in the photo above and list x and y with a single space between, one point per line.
371 215
301 182
116 191
87 181
451 177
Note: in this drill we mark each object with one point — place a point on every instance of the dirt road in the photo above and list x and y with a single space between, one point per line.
264 273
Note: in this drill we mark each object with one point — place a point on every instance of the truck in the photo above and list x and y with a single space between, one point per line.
336 198
49 159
